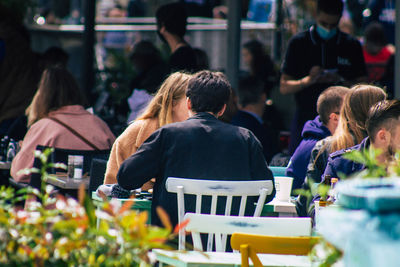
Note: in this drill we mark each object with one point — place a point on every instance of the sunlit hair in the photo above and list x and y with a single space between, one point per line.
57 88
351 129
171 91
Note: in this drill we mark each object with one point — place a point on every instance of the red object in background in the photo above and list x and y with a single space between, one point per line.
284 140
376 64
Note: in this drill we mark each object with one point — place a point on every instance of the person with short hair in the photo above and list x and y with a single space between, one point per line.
59 101
252 99
316 59
383 127
201 147
328 107
171 28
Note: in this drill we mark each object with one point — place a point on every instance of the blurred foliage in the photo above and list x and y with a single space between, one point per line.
56 231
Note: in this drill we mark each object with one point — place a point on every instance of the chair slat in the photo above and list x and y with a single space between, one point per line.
260 203
242 206
228 205
181 213
197 241
198 203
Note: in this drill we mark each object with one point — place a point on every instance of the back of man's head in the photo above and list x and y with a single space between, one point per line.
384 114
208 91
250 91
331 7
174 17
330 101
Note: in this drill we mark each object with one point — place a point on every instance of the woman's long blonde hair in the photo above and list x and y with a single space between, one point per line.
356 104
57 88
171 91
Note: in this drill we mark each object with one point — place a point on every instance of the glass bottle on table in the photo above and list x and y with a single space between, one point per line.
331 193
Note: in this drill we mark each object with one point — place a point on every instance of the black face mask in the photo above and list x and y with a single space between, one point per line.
162 38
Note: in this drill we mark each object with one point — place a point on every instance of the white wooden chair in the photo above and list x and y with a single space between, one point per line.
226 225
214 188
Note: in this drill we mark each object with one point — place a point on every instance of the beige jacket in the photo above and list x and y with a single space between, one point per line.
127 144
47 132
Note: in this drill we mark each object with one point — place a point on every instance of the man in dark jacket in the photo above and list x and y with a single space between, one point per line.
252 99
383 127
324 125
201 147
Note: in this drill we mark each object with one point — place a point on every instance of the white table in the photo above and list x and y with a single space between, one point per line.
198 259
285 209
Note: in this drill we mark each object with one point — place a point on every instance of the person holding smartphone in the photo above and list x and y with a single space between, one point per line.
317 58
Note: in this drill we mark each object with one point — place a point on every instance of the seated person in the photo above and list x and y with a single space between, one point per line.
350 131
167 106
201 147
59 101
324 125
252 99
383 127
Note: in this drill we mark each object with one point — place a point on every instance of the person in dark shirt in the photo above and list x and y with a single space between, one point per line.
202 147
171 28
252 99
316 59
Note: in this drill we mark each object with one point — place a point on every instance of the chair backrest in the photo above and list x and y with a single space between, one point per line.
223 225
97 171
61 156
215 188
278 171
250 244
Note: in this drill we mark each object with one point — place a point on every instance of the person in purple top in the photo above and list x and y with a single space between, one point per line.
324 125
383 127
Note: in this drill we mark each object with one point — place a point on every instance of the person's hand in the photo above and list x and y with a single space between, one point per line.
314 74
329 77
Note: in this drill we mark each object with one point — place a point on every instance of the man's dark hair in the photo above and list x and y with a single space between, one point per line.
250 90
384 114
208 91
331 7
330 101
174 17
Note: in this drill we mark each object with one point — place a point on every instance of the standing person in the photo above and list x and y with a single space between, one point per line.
202 147
328 107
316 59
59 101
167 106
171 28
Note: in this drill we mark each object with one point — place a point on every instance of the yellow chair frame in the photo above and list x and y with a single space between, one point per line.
249 245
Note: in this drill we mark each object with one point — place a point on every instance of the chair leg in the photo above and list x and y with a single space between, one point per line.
254 258
244 253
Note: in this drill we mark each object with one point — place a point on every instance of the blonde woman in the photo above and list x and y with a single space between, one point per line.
167 106
57 105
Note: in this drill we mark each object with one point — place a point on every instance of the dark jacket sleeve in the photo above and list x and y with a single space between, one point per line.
142 165
259 167
330 169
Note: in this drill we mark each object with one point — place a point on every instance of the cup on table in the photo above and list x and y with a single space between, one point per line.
283 187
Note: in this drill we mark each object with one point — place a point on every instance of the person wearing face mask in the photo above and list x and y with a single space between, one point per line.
317 58
171 28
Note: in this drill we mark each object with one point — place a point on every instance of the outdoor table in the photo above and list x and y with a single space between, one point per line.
62 181
5 165
198 259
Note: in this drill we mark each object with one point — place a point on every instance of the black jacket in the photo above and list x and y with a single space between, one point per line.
201 147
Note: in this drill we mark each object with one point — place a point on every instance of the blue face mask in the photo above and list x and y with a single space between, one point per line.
324 33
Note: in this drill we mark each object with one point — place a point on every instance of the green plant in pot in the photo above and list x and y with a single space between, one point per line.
58 231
